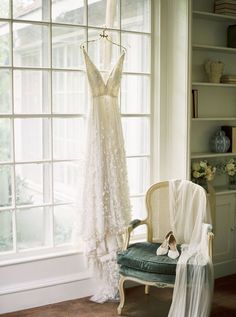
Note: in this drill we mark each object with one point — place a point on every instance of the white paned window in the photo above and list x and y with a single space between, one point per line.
43 107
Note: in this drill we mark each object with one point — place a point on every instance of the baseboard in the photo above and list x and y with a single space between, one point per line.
225 268
44 292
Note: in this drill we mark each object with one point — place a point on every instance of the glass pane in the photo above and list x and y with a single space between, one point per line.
5 57
67 181
30 45
6 236
68 11
139 212
136 15
138 52
4 9
66 52
6 186
103 53
138 173
32 139
5 91
103 13
5 139
33 184
69 92
64 222
68 138
32 91
35 10
33 227
135 94
138 207
136 129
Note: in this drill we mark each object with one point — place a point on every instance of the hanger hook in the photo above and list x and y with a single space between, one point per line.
103 34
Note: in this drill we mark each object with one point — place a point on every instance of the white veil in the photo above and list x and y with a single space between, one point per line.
190 218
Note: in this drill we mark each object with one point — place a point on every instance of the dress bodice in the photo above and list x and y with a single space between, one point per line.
97 84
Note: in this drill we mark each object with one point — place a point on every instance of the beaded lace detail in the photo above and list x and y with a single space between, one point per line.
106 205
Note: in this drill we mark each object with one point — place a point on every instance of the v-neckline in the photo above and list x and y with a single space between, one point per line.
109 72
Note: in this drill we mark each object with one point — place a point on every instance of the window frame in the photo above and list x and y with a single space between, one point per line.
45 252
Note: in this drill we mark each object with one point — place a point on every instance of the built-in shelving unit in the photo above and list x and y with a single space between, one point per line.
216 107
216 101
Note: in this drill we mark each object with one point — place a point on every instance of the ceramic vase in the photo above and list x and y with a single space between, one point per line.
220 143
214 70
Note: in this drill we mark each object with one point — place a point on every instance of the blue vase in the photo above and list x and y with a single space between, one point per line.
220 143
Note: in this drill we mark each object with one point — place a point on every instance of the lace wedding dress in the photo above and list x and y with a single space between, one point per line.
106 205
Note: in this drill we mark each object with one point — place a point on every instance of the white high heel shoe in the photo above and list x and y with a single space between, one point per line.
164 247
173 253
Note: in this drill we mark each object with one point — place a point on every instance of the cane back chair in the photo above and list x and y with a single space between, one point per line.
138 262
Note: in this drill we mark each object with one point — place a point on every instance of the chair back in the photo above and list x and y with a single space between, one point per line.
159 218
157 205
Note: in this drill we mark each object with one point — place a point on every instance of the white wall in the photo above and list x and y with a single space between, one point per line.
42 282
174 89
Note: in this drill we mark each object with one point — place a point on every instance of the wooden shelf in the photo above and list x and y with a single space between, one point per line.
223 190
214 16
214 119
207 84
222 49
198 155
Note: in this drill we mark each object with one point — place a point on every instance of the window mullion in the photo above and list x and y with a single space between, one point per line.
13 170
52 227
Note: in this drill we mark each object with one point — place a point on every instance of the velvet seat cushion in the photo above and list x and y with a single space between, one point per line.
142 256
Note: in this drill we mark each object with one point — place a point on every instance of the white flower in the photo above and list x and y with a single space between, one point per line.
203 164
196 174
230 167
204 170
196 166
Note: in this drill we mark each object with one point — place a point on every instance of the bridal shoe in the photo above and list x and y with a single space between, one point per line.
164 247
173 253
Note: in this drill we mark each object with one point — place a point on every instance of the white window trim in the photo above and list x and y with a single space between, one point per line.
10 258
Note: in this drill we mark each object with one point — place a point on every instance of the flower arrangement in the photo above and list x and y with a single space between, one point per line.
230 167
203 171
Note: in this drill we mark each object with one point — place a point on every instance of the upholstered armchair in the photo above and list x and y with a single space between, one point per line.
138 262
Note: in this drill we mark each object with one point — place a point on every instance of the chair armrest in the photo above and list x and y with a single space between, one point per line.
132 225
207 229
210 243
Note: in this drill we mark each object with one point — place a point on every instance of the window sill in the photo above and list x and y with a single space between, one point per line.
13 259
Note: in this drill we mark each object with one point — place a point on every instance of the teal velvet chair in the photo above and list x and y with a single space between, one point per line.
138 262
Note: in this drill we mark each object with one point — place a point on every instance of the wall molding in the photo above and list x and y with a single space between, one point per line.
44 283
224 268
46 292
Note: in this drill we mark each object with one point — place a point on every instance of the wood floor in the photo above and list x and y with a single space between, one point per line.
156 304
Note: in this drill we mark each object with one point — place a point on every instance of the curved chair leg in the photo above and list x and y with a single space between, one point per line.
147 289
122 294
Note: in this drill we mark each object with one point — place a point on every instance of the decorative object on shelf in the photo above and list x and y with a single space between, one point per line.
227 7
220 143
230 131
202 172
194 103
214 70
228 79
230 169
231 35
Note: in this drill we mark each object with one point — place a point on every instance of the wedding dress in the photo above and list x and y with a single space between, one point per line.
106 205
